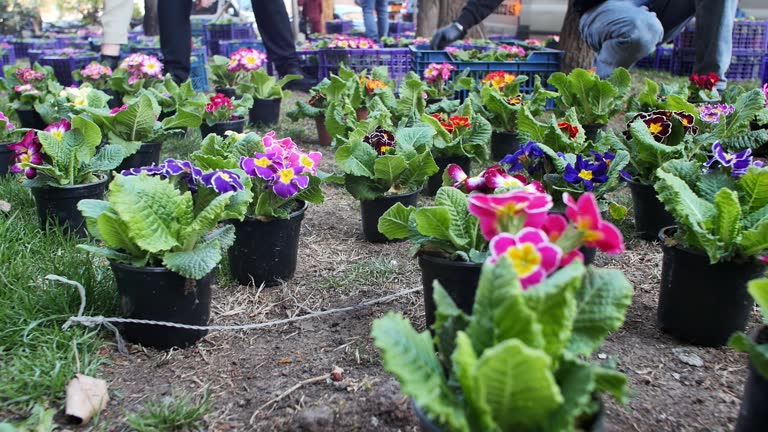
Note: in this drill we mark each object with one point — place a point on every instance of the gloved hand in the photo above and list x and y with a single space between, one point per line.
447 35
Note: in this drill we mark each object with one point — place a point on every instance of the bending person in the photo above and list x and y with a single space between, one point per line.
115 23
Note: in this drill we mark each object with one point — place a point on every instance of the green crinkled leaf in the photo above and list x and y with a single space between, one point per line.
195 263
206 220
357 158
137 122
711 183
497 283
108 158
114 232
745 140
554 304
394 222
758 289
183 118
413 139
515 320
758 354
754 241
312 193
148 205
112 254
602 302
456 202
577 383
754 189
727 222
419 169
410 357
517 384
464 364
433 222
389 167
688 171
364 188
613 382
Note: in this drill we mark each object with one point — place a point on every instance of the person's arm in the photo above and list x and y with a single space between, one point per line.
475 11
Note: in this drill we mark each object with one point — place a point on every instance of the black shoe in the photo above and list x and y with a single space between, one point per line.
111 61
303 84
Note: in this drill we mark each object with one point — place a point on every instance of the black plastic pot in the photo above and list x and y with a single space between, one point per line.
323 137
148 154
265 252
458 278
650 214
57 206
435 181
117 98
763 149
371 211
227 91
31 119
502 144
752 414
265 112
165 114
220 128
589 254
158 294
6 158
590 130
595 424
699 302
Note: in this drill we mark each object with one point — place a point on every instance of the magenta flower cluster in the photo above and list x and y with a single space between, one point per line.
438 72
516 51
142 66
246 60
283 167
715 113
95 71
343 41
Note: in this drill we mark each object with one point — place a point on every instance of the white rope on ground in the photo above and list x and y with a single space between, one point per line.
90 321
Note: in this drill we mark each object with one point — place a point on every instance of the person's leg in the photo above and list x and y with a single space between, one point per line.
382 17
313 12
275 28
621 32
714 32
115 21
674 15
175 36
371 30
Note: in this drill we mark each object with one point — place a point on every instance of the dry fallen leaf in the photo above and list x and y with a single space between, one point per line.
86 396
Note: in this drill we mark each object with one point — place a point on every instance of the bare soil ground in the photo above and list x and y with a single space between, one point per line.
242 371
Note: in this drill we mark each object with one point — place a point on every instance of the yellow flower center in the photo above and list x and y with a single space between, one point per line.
307 161
583 224
585 174
150 66
263 162
286 175
729 156
511 208
383 149
225 176
58 134
250 60
655 128
525 258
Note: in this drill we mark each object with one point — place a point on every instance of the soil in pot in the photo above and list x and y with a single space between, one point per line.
371 211
752 414
436 180
502 144
227 91
322 132
220 128
458 278
148 154
57 206
361 113
266 252
265 112
590 130
158 294
699 302
29 118
650 214
6 158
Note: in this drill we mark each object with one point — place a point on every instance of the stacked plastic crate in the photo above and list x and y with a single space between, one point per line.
215 32
660 59
750 42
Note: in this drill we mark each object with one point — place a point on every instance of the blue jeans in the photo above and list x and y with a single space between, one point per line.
376 27
624 31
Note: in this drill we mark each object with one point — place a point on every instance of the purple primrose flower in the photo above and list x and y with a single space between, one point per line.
739 163
222 181
586 172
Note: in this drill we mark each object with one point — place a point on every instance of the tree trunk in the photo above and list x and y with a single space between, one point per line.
577 53
327 13
433 14
151 25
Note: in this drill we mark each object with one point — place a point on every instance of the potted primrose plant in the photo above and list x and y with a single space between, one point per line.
228 73
27 88
161 232
452 237
267 93
752 413
315 108
730 122
281 181
97 75
381 168
222 114
517 362
135 132
712 252
651 139
177 101
458 139
64 164
440 86
701 88
138 71
6 139
500 100
595 100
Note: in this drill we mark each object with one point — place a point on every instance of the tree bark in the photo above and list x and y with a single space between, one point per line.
433 14
327 13
577 53
151 25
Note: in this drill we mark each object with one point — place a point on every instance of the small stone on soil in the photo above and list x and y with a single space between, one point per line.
688 358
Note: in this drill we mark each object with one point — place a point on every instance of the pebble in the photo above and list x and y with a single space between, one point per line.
688 358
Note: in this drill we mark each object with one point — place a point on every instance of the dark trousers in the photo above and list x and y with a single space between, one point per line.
176 35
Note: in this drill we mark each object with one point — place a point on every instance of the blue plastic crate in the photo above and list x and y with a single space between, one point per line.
9 55
746 65
397 61
541 63
218 32
228 47
764 71
64 66
198 74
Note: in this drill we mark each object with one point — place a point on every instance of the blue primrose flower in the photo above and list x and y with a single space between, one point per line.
526 158
222 181
608 158
739 162
586 172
